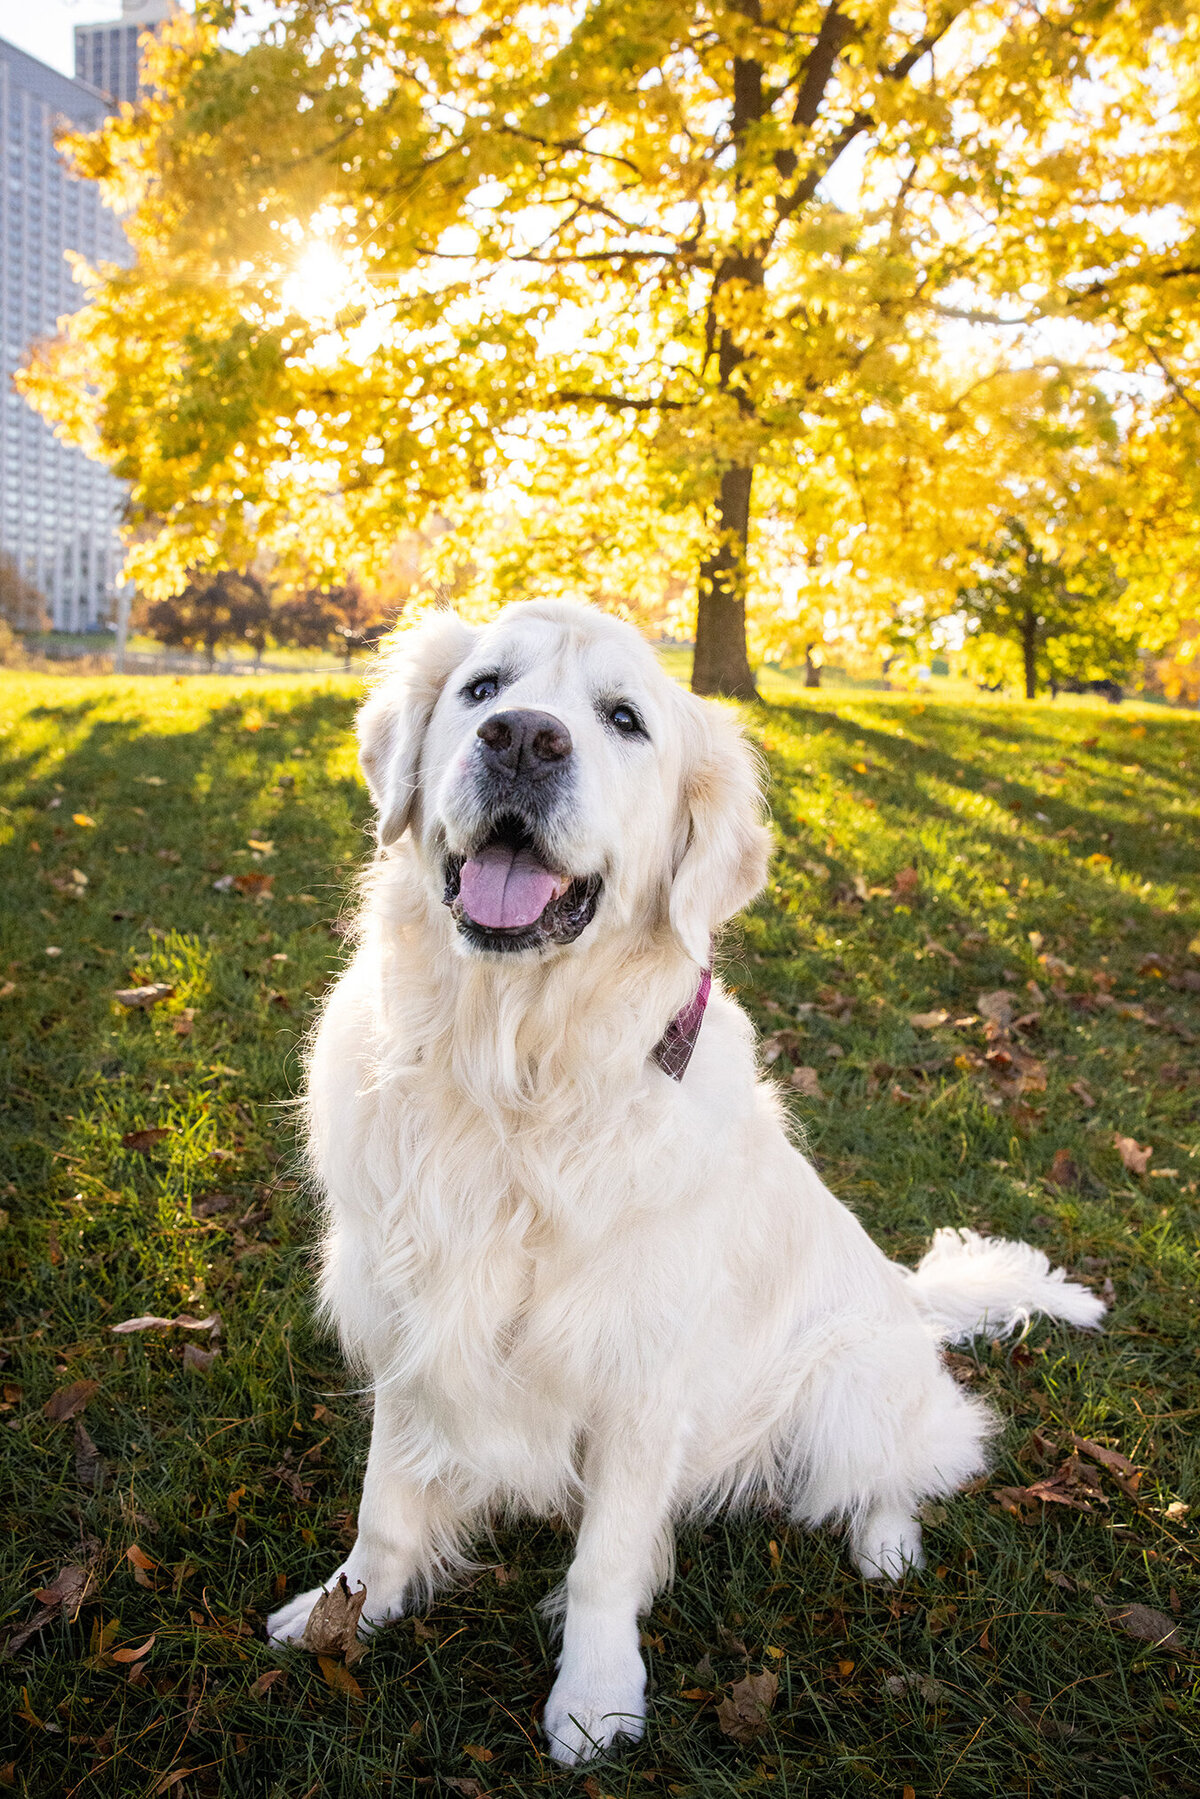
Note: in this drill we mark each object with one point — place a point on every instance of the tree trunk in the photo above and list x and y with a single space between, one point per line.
720 664
1029 652
812 670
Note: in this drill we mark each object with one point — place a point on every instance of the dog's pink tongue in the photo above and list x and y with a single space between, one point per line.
504 889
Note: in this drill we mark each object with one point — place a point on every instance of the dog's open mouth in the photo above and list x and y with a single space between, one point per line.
505 895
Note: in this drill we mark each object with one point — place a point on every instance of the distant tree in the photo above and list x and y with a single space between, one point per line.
22 605
346 615
212 610
1057 622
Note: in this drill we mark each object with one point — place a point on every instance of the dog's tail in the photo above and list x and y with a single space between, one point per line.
967 1285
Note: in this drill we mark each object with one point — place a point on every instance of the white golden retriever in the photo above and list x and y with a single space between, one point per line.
583 1273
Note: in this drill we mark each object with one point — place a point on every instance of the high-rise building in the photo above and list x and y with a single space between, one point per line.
58 510
106 55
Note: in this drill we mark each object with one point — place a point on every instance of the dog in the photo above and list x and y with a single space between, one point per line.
567 1235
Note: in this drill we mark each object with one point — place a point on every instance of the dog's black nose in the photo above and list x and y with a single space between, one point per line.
532 744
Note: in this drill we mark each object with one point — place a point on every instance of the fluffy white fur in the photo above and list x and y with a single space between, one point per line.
575 1285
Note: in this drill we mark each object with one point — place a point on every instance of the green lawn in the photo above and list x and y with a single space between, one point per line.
1056 857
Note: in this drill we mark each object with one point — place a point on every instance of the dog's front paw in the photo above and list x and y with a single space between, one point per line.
583 1720
289 1623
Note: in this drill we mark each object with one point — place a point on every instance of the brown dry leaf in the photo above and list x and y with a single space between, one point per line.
253 884
925 1685
332 1627
1083 1092
184 1021
905 883
142 998
781 1043
339 1677
143 1567
136 1654
478 1753
928 1021
151 1321
1063 1172
1124 1472
90 1469
141 1141
65 1591
471 1789
7 988
745 1711
807 1081
175 1778
1143 1623
999 1008
1136 1159
266 1681
199 1361
69 1400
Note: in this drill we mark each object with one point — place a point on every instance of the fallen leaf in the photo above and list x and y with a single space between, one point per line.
1136 1159
745 1711
1177 1511
925 1685
69 1400
266 1681
339 1677
905 883
134 1655
84 819
7 989
253 884
1063 1172
185 1322
478 1753
1083 1092
182 1025
1143 1623
999 1008
65 1591
165 1782
141 1141
90 1469
142 998
199 1361
1123 1471
807 1081
928 1021
262 846
781 1043
332 1627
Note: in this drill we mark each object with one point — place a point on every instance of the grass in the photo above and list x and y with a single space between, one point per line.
1057 857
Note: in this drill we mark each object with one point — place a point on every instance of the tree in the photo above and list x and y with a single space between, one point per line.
210 611
405 258
22 604
1058 620
347 615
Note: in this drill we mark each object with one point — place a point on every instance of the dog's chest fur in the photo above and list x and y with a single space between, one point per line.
502 1309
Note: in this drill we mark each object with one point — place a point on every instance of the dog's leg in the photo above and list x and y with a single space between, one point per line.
886 1545
403 1530
621 1553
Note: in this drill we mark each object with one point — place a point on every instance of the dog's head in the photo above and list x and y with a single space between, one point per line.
558 785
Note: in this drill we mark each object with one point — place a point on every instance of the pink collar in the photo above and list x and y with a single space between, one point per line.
673 1051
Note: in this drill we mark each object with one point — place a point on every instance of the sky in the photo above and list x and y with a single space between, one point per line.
45 28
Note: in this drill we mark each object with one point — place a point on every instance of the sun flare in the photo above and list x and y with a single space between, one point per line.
321 283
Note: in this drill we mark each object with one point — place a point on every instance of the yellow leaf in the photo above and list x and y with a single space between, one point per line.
82 818
477 1752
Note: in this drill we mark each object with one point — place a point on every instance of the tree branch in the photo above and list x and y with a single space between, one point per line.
616 402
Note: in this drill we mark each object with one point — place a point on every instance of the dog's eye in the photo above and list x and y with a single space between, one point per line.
485 688
624 719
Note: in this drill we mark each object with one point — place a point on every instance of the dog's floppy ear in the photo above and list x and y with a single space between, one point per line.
393 720
725 843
